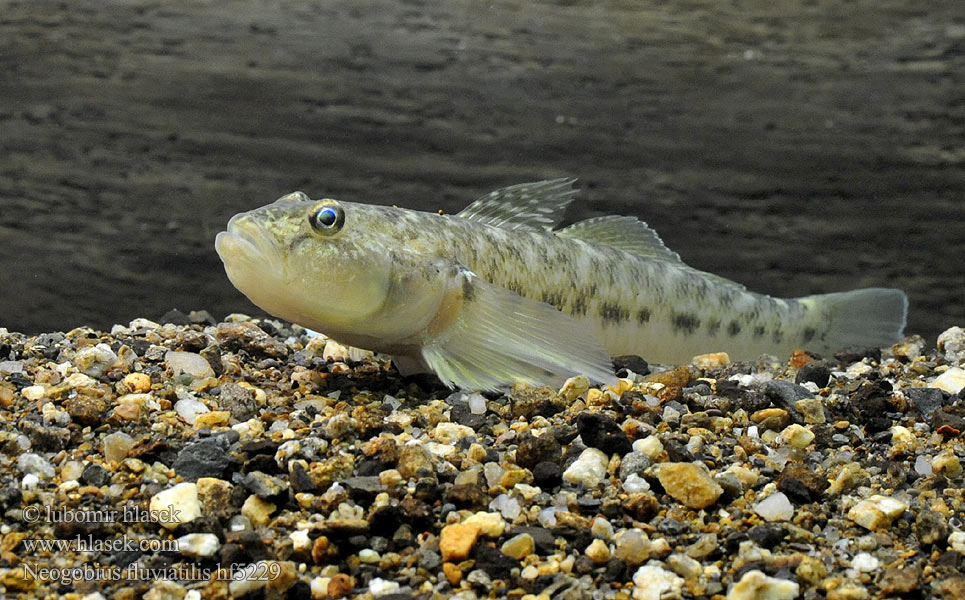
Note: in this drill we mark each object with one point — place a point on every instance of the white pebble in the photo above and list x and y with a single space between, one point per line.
450 433
653 582
864 563
635 484
952 380
369 556
477 404
34 464
775 507
191 363
755 585
248 578
547 516
508 507
956 541
589 470
198 545
650 445
11 366
176 505
876 512
33 392
189 409
95 360
300 540
923 466
381 587
29 481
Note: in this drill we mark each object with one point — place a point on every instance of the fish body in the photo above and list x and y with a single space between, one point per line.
494 295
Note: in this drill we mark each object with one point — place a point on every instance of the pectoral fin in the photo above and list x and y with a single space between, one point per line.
495 337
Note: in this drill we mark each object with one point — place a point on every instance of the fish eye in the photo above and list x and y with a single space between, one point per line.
327 217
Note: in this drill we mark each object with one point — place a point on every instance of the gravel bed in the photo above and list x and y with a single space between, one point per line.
247 458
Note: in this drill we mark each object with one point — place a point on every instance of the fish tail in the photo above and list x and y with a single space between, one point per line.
868 317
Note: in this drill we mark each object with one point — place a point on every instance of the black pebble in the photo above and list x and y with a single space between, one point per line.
533 450
175 317
630 362
602 432
95 475
547 474
853 354
460 413
926 400
817 372
767 536
496 564
204 458
299 478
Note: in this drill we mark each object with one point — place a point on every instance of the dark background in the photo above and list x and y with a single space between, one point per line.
796 147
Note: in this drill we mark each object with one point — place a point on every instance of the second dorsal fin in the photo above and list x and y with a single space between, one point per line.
538 205
624 233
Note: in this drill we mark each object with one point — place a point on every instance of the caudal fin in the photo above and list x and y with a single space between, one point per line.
868 317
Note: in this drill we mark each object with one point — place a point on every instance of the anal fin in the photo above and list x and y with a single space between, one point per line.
499 338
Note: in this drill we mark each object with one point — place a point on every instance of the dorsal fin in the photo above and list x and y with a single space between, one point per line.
537 205
632 235
624 233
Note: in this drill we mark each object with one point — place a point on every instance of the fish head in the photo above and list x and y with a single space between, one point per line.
312 262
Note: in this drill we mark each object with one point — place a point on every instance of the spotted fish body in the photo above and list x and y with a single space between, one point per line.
493 295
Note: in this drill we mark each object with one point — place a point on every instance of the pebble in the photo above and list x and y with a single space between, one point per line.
706 362
507 506
477 403
812 409
257 510
877 512
632 547
926 400
952 380
190 408
190 363
947 464
651 582
775 507
489 524
207 457
94 361
755 585
685 566
341 585
519 546
381 587
796 436
589 470
952 343
575 388
602 432
116 446
176 505
598 551
199 545
457 540
139 383
36 465
691 484
864 563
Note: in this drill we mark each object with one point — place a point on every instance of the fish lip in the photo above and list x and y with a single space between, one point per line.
245 239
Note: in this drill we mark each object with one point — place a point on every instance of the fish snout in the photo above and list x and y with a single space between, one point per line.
245 239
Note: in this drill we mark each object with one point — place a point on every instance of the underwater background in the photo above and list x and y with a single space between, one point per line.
795 147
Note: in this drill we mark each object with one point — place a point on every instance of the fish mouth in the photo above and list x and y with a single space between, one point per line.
245 242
